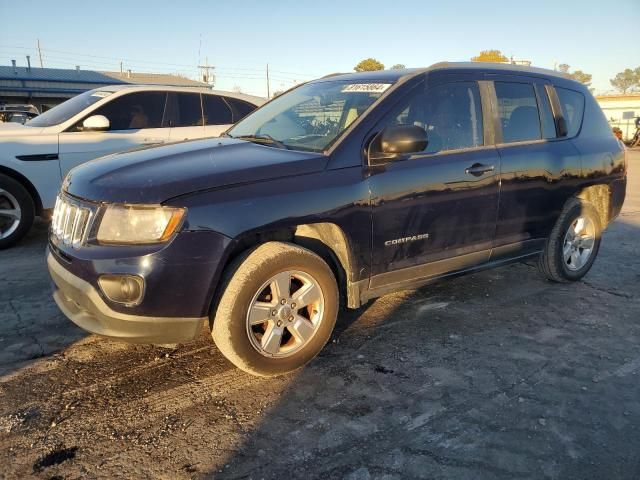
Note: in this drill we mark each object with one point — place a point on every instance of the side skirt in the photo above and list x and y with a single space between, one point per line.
370 289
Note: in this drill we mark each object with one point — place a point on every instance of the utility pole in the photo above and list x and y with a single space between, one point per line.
120 67
40 53
205 72
199 48
268 89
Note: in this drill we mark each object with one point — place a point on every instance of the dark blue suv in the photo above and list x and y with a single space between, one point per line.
340 190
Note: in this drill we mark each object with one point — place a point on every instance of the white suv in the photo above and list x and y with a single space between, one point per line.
34 158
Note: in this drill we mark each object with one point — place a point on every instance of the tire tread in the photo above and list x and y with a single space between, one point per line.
236 276
549 262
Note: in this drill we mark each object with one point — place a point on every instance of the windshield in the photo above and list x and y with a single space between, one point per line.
310 117
66 110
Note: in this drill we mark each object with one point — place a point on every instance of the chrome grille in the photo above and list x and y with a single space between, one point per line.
71 221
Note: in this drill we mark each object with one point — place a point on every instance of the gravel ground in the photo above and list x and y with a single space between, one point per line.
500 374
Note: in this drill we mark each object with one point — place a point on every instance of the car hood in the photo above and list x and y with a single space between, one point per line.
10 129
155 174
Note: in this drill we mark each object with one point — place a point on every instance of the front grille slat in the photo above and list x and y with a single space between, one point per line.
71 221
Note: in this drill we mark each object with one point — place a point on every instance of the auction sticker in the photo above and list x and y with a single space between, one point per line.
366 87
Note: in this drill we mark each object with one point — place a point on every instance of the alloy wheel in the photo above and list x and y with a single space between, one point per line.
10 214
285 313
578 243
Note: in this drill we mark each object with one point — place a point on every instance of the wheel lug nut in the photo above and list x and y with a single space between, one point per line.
293 305
273 312
279 323
283 301
291 318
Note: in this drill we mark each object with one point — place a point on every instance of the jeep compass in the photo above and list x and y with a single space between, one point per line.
338 191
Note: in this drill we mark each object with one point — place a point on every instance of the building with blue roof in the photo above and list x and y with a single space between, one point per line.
47 87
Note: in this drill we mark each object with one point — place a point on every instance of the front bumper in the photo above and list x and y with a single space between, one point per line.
84 306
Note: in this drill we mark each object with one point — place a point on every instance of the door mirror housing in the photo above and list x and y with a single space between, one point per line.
95 123
395 142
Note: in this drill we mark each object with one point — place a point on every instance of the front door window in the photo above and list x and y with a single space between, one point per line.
451 114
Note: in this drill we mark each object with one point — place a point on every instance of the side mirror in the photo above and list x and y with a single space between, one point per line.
393 142
95 123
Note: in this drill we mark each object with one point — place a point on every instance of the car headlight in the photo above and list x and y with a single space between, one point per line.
126 224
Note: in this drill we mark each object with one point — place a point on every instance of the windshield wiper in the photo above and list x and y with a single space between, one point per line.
263 138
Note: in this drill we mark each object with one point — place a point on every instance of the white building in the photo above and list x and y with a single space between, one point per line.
621 110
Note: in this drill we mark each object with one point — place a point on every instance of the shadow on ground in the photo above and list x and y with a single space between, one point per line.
500 374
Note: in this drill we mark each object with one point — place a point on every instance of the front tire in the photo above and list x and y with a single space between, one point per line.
278 308
17 211
573 244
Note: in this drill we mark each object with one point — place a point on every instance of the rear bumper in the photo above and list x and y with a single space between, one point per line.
84 306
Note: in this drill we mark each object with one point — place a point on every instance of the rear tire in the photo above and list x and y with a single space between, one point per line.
277 310
17 211
573 244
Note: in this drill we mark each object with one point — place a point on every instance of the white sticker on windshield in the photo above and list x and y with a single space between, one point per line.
366 87
101 94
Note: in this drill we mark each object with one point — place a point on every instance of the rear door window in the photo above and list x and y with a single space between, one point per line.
183 110
518 112
239 108
572 104
134 111
216 110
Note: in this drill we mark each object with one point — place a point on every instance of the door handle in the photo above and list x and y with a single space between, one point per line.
149 141
478 169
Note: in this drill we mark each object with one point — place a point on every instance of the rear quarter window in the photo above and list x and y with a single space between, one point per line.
572 104
239 108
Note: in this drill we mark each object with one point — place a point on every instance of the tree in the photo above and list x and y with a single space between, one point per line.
581 77
368 65
490 56
398 66
626 80
577 75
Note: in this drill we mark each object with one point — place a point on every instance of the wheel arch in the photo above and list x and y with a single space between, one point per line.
600 197
18 177
327 240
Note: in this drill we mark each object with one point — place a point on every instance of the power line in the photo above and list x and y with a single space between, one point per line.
119 66
132 61
61 59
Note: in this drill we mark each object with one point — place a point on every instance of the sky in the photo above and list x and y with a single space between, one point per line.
301 40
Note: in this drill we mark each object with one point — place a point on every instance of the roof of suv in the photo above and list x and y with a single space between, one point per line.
394 75
144 88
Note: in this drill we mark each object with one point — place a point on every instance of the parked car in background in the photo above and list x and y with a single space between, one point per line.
13 107
342 189
12 113
34 158
20 117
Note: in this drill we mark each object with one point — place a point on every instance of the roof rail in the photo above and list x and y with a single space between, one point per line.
333 74
439 64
